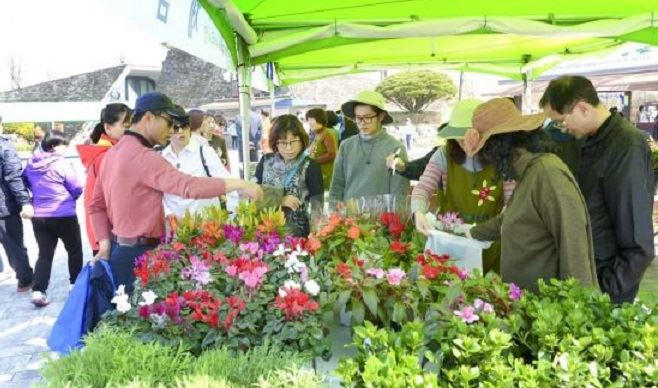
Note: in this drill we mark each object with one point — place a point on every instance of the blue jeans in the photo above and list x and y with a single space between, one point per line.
122 262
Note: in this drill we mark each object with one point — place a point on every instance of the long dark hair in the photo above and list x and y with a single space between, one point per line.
499 150
109 115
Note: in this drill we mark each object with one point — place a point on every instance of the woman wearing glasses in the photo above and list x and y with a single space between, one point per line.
114 120
289 168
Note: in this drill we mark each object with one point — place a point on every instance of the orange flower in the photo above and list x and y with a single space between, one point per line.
334 219
313 244
354 232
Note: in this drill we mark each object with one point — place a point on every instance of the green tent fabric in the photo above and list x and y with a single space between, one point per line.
513 38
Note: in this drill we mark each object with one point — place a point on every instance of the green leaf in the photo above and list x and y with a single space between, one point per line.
399 312
371 300
358 313
343 297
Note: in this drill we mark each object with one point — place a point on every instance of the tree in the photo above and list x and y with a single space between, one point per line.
15 72
413 91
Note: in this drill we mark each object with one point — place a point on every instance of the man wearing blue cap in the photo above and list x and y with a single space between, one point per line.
126 209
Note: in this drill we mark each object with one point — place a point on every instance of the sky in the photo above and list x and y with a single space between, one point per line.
53 39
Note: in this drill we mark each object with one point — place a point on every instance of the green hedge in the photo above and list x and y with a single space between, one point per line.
115 358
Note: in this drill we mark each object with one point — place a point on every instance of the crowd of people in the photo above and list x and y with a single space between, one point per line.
563 193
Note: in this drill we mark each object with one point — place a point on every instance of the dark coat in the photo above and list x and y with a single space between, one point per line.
616 179
13 194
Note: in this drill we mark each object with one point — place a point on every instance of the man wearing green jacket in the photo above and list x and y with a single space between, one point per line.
360 168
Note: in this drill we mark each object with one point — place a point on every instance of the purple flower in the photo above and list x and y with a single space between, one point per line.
467 314
233 233
198 271
514 292
303 273
450 220
463 274
269 242
483 306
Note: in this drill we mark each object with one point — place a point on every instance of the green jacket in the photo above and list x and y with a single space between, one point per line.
545 228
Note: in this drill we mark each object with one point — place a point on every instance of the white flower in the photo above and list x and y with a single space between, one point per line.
300 252
312 287
149 297
282 292
291 284
280 251
293 265
121 299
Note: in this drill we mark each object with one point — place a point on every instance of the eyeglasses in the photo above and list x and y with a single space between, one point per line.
179 128
287 144
364 119
169 120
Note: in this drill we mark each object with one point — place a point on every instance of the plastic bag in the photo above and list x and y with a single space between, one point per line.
466 253
71 325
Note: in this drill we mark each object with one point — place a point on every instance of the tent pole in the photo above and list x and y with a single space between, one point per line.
461 84
244 89
526 99
272 100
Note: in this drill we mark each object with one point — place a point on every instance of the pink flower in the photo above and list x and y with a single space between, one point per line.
376 272
231 270
467 314
485 307
395 276
249 247
514 292
253 278
463 274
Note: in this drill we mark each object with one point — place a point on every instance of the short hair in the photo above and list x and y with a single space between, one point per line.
332 119
318 114
196 119
564 92
53 139
284 124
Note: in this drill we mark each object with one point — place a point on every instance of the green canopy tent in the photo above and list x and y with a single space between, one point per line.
518 39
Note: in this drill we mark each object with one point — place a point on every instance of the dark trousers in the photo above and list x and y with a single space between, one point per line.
122 262
48 231
234 142
11 238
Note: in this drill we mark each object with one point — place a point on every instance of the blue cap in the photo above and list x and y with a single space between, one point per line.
156 101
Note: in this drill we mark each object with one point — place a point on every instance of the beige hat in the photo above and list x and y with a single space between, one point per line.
496 117
367 97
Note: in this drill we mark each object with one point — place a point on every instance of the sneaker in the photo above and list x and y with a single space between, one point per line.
24 287
40 299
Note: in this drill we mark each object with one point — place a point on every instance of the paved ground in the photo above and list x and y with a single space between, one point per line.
24 328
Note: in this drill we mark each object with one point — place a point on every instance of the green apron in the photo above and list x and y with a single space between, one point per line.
472 195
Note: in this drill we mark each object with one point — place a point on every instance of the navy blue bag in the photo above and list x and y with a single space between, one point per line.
73 321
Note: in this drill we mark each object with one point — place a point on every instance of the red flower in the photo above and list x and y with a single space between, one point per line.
354 232
344 270
395 229
399 247
295 303
431 272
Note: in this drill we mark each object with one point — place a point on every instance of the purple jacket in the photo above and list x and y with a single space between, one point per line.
53 183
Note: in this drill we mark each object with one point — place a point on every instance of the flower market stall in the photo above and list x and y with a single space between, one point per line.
240 284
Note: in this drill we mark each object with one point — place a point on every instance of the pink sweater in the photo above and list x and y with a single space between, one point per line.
127 199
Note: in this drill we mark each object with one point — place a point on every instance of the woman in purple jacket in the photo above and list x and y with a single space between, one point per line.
55 188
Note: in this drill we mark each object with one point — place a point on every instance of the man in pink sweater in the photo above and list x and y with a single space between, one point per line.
126 209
